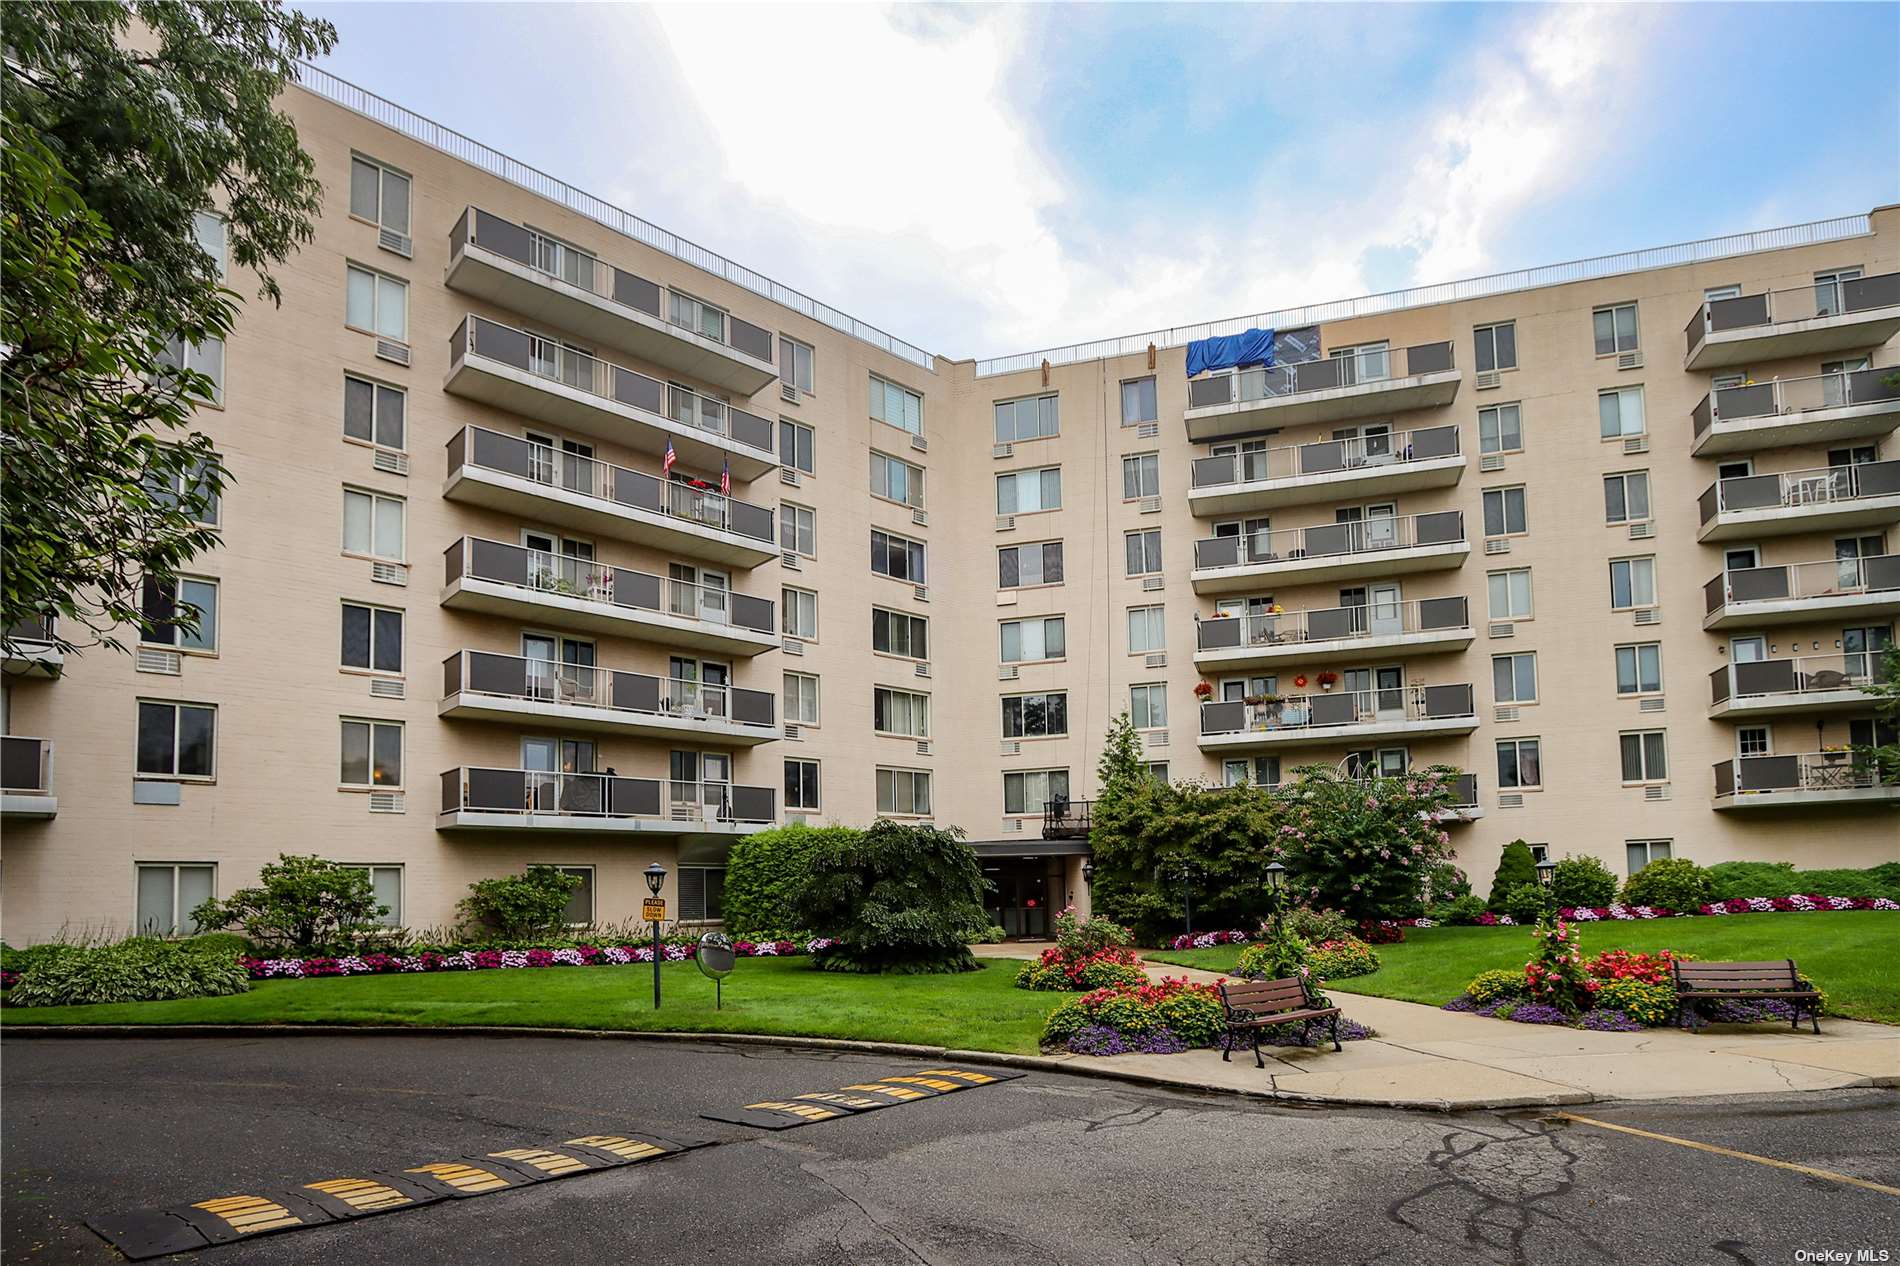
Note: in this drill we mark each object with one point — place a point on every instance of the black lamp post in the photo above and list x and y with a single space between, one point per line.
1546 873
1276 889
656 879
1187 896
1088 875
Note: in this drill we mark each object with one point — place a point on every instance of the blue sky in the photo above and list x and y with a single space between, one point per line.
993 180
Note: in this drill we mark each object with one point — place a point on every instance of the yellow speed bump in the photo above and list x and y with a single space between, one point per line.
466 1179
810 1111
629 1149
895 1092
937 1084
974 1079
361 1194
247 1215
556 1163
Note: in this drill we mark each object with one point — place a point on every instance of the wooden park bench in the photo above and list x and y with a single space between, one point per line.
1254 1005
1746 982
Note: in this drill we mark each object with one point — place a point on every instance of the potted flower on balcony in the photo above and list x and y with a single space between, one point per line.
1203 690
1327 679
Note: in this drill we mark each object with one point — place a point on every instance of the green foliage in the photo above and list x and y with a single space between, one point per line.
1556 974
1674 882
1099 971
765 870
1459 912
1364 845
1516 865
1192 1012
1527 903
220 943
1079 937
1342 959
143 969
1582 881
1641 1001
897 898
1781 879
991 935
1273 958
1883 759
520 907
1320 925
306 903
1193 1016
1488 986
1445 882
1121 764
24 960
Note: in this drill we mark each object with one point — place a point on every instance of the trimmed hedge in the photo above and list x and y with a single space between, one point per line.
765 870
1781 879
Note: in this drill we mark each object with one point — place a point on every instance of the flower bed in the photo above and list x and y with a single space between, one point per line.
379 964
1208 940
1190 1013
1338 960
1103 969
1799 904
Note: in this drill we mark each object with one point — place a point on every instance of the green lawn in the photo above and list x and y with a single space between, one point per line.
971 1011
1849 953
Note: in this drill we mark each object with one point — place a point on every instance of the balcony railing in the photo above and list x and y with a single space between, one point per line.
37 631
1803 771
1066 819
1831 578
1797 489
1326 457
1803 303
544 358
1294 628
604 482
1358 369
1338 708
1787 398
1361 536
1791 678
589 686
532 793
539 571
26 766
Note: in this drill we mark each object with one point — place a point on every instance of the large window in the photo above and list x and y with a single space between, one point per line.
899 633
167 894
896 406
801 699
903 791
796 442
1020 566
1500 429
1028 790
1645 755
379 194
798 616
1626 497
1640 853
798 529
702 894
167 486
372 754
897 557
372 638
377 303
1147 631
170 609
903 713
896 480
1148 705
1026 491
1036 716
580 905
177 740
1141 476
1143 551
205 358
1639 668
1632 583
1620 412
1510 594
801 785
1033 418
1615 329
1262 771
1138 401
385 883
1027 641
696 315
1514 677
1504 511
1496 346
373 413
372 524
795 363
213 237
1520 763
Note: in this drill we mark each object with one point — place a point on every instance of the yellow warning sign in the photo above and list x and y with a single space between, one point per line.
653 910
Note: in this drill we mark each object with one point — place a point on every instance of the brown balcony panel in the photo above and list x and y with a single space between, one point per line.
1330 551
1798 592
1333 635
1338 716
1808 685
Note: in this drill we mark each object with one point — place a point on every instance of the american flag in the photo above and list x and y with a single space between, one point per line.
725 480
666 463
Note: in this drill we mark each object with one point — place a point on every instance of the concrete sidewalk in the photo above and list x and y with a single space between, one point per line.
1427 1058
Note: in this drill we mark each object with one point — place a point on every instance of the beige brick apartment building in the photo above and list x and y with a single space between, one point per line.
1612 536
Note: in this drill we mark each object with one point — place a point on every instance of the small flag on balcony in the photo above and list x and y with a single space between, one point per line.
666 463
725 480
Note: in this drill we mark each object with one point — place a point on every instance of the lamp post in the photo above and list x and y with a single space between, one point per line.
1276 889
656 879
1187 897
1546 873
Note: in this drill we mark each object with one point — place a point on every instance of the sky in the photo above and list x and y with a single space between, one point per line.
986 180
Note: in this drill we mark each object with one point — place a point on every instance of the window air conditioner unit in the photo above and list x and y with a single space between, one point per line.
389 573
385 802
1012 747
1652 704
1642 531
1629 360
1636 444
920 518
1148 431
793 734
922 670
1007 672
1012 824
1506 713
789 561
1150 584
1002 450
1510 800
390 350
1649 615
788 393
1157 738
794 647
386 688
923 747
1656 791
165 663
1497 545
1150 505
919 443
390 462
1500 628
396 243
1489 378
1005 523
922 592
1006 598
788 475
1159 660
1491 461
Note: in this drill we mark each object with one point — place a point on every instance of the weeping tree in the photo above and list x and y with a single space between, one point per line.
896 898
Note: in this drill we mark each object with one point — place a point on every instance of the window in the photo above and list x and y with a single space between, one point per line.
372 524
377 303
1500 429
1645 756
205 358
1752 740
177 740
697 315
703 894
372 412
167 894
372 754
801 698
1144 552
1640 853
379 194
900 712
797 529
1146 631
1620 412
1027 491
801 784
167 486
795 444
1138 401
897 557
208 231
896 406
580 904
1514 677
1148 704
1019 566
896 480
169 606
897 633
1520 763
1141 476
1032 419
1158 770
1827 290
1510 593
794 363
903 791
1626 497
1026 641
1504 511
1615 329
1029 790
372 638
1036 716
385 884
1639 668
1497 346
799 613
1632 583
1264 771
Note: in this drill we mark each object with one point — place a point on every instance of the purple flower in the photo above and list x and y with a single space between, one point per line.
1538 1013
1603 1020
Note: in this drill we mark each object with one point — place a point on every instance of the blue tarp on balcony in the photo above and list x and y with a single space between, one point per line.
1249 347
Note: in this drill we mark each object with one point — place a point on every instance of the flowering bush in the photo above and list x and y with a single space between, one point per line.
1493 986
1646 1002
1208 940
1604 1020
1088 954
378 964
1538 1013
1653 969
1338 960
1800 903
1191 1012
1364 845
1320 925
1274 958
1556 975
1382 931
1099 1039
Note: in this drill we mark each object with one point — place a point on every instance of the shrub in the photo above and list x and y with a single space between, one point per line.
20 961
1781 879
1488 987
1191 1012
1527 903
1672 882
1338 960
1088 954
1273 958
1079 936
1363 845
142 969
895 898
1642 1001
991 935
1617 964
1193 1015
304 903
1582 881
1319 925
1378 932
521 907
1555 976
1459 912
764 871
1445 882
1516 866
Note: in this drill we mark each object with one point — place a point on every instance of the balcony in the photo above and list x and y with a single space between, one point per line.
536 378
1325 471
1798 592
1819 499
1310 393
483 686
1828 316
577 593
1809 778
1823 409
541 484
549 281
1802 685
1331 551
31 651
1066 819
26 778
475 799
1338 716
1432 625
1465 806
